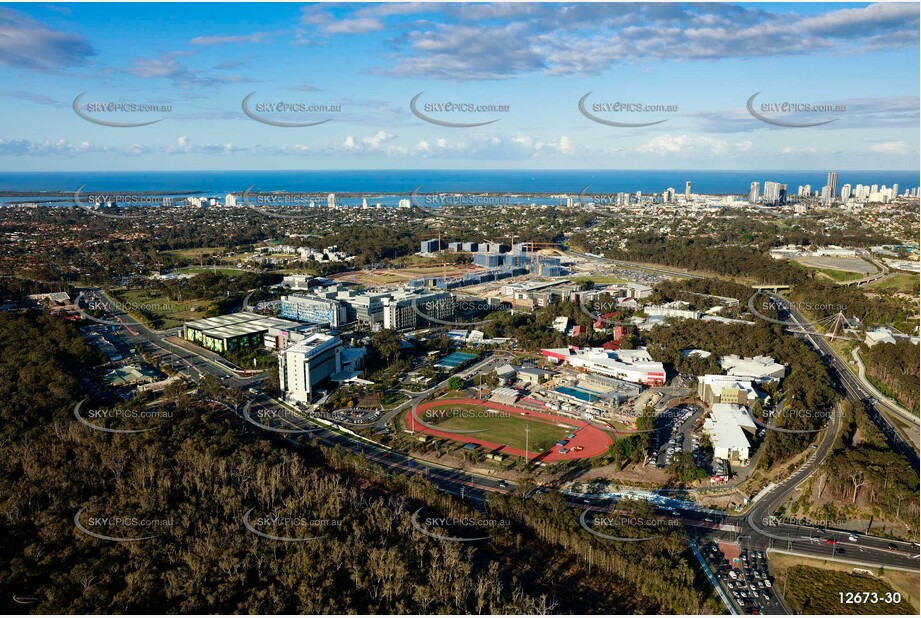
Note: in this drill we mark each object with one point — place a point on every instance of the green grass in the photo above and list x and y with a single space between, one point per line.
507 430
208 269
906 283
159 311
194 253
840 275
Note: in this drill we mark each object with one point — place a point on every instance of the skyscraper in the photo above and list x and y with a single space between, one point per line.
771 192
754 192
687 191
832 185
845 192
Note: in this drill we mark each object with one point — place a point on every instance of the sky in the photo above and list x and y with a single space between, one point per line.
531 64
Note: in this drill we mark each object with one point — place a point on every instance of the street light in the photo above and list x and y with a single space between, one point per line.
527 436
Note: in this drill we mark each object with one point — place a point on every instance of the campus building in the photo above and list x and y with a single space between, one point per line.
238 331
314 361
405 309
634 366
729 426
713 389
760 369
314 309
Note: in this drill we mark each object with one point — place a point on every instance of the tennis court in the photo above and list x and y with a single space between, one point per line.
455 360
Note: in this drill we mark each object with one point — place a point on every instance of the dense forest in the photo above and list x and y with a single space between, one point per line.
864 474
193 480
896 367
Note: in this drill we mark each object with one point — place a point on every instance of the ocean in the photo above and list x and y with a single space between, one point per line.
402 182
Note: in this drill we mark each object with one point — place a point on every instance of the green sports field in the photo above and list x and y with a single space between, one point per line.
507 430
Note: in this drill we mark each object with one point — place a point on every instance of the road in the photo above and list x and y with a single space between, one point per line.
477 488
848 381
190 364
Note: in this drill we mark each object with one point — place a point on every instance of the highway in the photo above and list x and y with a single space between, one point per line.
751 529
849 382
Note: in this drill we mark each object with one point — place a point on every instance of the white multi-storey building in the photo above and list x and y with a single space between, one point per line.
310 362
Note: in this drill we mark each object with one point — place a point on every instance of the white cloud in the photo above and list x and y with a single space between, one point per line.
691 145
255 37
895 147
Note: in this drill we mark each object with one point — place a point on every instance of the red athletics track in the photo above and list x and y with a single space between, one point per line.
593 441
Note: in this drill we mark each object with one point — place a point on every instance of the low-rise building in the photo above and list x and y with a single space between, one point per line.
713 389
759 368
237 331
629 365
886 334
729 426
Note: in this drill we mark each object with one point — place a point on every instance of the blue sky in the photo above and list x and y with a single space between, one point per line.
539 60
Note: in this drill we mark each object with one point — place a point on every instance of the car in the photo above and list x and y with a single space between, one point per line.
733 574
814 446
893 546
767 583
502 484
839 550
831 541
852 537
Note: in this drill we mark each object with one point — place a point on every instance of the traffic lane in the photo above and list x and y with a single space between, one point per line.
392 459
841 551
842 537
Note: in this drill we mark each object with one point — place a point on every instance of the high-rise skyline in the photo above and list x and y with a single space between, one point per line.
832 185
